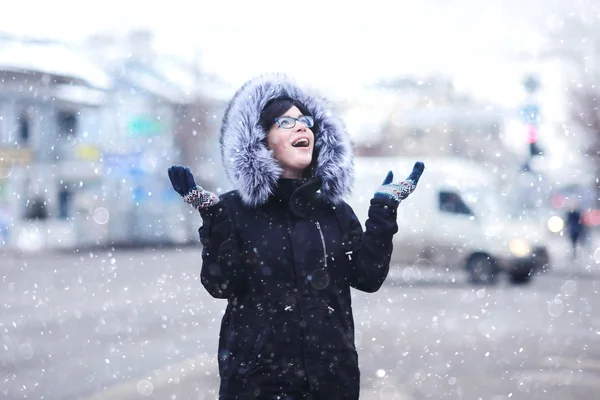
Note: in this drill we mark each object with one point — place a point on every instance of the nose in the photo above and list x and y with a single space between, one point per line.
300 127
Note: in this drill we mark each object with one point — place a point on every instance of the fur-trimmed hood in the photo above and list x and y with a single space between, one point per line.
248 162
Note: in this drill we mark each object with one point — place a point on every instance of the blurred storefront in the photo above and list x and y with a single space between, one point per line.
84 150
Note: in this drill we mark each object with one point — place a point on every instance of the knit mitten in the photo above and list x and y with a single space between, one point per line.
183 182
200 198
400 190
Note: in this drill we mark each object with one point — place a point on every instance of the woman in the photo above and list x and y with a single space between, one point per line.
284 248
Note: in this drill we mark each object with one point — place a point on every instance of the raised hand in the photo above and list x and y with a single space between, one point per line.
182 179
400 190
183 182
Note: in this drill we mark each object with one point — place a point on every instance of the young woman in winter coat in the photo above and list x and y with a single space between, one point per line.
284 249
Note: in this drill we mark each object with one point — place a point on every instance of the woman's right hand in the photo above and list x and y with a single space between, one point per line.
183 182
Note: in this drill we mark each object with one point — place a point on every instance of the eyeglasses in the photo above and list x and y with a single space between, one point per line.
290 122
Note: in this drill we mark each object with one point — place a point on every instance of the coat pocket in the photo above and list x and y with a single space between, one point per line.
254 359
345 333
337 331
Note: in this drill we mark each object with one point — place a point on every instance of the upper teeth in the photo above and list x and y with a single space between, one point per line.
299 141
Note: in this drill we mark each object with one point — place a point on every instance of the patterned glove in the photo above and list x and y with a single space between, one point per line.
184 184
200 198
401 190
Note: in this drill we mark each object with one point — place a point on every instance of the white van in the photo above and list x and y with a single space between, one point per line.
456 218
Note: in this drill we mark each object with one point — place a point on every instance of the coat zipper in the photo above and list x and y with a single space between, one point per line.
329 308
302 327
322 242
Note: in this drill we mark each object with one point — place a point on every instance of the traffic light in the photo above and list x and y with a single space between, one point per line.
533 134
535 149
530 115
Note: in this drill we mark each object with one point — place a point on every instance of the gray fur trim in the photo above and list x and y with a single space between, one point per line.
248 162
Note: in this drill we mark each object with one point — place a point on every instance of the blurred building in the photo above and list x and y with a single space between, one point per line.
87 137
428 117
50 103
163 113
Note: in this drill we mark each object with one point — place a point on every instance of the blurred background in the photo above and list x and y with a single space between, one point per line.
97 102
98 99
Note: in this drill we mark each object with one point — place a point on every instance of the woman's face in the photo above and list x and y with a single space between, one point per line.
292 147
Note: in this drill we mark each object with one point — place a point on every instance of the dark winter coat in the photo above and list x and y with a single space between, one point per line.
285 254
573 224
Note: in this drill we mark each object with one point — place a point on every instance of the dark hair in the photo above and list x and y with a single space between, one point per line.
276 107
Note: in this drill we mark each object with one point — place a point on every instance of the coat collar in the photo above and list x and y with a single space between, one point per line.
296 194
285 188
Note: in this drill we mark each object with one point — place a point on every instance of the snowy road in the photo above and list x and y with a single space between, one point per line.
138 325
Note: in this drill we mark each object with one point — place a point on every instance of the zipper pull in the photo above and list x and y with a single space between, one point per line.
349 254
331 309
322 243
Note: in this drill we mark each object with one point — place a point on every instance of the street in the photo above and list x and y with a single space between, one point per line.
137 324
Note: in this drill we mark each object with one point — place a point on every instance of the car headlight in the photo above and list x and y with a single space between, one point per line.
519 248
556 224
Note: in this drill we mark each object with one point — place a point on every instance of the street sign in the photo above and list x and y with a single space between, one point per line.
144 126
530 114
88 152
531 84
10 156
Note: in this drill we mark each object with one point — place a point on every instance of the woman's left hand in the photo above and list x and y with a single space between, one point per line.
400 190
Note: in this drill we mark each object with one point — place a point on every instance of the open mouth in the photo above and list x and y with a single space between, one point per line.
302 142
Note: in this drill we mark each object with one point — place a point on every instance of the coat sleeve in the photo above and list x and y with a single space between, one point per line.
370 251
221 265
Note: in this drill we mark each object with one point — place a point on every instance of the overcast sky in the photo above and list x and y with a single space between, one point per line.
329 43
